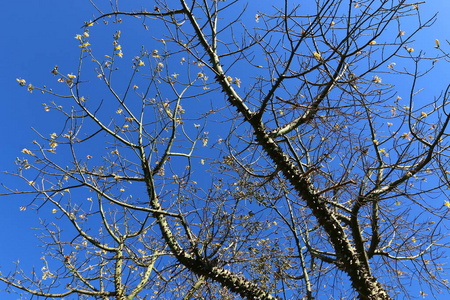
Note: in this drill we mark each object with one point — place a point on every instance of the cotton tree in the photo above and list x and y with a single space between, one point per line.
255 154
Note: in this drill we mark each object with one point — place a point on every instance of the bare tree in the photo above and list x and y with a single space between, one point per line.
256 155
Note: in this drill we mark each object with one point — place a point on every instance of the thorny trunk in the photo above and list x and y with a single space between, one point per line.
347 259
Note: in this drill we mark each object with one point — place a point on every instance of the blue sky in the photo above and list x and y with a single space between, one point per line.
39 35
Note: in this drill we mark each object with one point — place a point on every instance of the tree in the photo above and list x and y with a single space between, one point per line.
257 156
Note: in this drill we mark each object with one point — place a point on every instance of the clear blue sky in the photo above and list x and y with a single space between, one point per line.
37 35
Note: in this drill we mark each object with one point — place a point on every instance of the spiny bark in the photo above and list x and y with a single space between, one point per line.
200 265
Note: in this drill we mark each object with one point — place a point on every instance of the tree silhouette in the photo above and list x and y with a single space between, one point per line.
256 155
